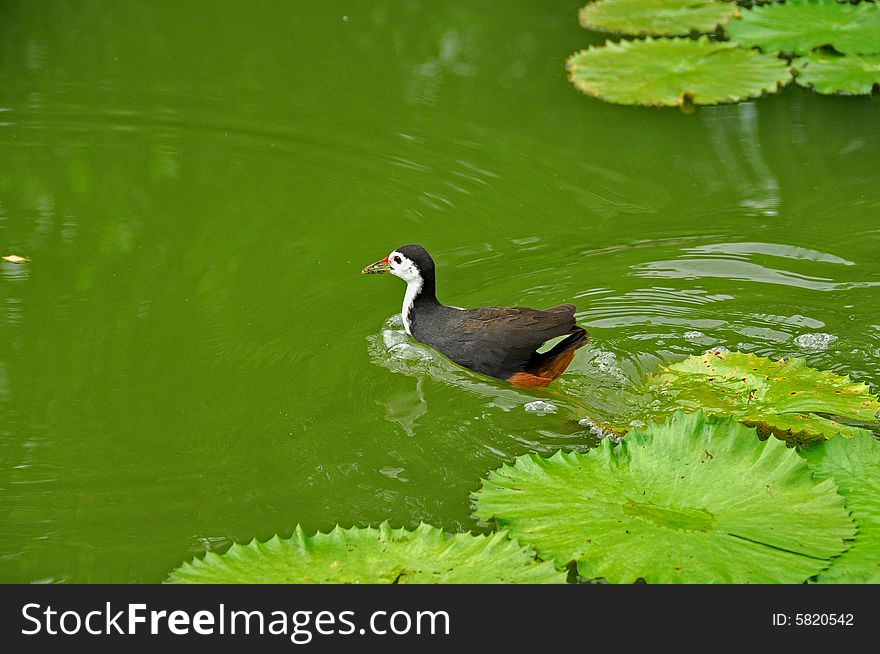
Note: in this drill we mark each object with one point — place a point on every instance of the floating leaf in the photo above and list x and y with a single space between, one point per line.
855 467
372 555
782 397
686 501
852 74
671 72
798 26
658 17
14 258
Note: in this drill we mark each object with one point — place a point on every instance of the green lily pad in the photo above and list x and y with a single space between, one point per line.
688 501
852 74
798 26
674 72
372 556
657 17
855 467
782 397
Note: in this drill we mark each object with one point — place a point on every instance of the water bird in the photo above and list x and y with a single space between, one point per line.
500 342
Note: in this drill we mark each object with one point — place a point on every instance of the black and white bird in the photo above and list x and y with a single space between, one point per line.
500 342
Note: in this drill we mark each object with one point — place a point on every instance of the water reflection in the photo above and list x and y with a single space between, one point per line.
15 273
405 408
738 148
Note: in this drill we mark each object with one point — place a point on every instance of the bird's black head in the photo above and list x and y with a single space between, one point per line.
412 264
417 255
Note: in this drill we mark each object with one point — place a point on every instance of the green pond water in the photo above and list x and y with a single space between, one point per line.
191 357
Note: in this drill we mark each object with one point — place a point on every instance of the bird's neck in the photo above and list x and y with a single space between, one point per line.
419 293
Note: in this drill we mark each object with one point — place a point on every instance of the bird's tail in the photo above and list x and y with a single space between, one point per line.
544 367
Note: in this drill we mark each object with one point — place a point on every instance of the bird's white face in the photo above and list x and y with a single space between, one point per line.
400 266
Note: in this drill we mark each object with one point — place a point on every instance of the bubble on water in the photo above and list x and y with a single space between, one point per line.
638 424
607 363
698 337
815 342
598 431
540 407
208 543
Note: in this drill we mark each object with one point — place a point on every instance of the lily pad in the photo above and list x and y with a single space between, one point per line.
798 26
784 397
657 17
674 72
372 556
691 500
852 74
855 467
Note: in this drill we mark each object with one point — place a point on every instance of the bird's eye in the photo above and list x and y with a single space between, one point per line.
396 260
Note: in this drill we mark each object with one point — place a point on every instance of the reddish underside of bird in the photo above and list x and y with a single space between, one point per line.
500 342
547 373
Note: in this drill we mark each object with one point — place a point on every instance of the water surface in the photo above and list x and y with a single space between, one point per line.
191 357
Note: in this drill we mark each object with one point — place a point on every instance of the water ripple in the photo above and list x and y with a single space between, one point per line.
772 249
729 261
657 305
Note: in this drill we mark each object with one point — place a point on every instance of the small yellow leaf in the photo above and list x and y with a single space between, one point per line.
14 258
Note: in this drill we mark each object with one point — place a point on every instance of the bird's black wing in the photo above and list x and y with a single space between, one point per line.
500 341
